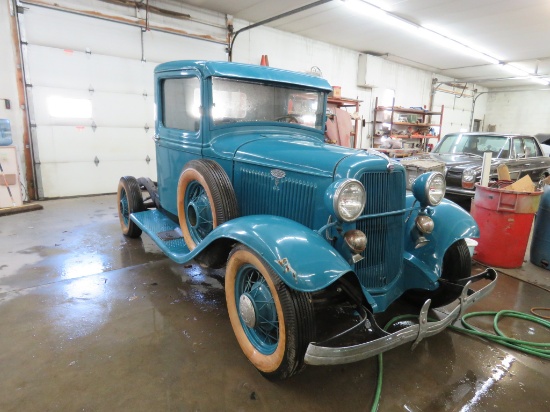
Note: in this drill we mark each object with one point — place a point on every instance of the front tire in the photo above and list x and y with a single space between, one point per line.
457 265
129 200
273 323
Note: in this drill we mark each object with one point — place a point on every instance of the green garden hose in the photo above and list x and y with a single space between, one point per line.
541 350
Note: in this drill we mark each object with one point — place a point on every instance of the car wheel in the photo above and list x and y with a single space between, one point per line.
129 201
457 264
205 200
273 323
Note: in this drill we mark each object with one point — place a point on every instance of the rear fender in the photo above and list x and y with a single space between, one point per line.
303 259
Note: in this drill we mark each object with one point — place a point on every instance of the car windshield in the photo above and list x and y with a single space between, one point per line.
475 145
237 101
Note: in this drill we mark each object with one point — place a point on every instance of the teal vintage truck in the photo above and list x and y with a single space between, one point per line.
245 181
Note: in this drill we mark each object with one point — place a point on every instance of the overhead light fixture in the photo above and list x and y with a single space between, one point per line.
515 70
540 80
435 35
370 10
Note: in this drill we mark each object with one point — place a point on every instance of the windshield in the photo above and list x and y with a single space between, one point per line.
475 145
238 101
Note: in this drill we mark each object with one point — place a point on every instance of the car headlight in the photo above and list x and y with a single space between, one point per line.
429 188
346 199
468 179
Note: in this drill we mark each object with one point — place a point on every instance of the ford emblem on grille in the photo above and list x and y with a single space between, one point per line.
278 173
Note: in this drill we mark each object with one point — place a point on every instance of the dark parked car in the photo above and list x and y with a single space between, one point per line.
462 154
245 181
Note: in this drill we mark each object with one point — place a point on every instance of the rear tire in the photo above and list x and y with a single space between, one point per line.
457 265
129 201
206 199
273 323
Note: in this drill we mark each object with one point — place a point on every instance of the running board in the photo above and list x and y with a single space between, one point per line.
163 231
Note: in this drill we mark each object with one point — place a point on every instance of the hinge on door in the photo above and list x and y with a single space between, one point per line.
146 127
147 159
21 9
96 161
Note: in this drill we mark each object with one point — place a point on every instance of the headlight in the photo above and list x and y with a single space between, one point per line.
468 179
429 188
346 199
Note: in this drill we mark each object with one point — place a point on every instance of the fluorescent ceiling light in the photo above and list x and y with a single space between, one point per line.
515 70
452 42
379 13
539 80
376 12
435 35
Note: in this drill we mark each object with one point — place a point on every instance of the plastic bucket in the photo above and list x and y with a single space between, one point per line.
505 219
540 243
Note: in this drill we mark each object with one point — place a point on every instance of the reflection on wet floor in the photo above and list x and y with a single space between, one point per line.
94 321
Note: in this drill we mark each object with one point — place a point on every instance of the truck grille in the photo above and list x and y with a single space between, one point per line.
288 197
384 254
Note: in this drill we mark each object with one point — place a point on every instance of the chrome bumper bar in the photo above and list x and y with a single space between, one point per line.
322 355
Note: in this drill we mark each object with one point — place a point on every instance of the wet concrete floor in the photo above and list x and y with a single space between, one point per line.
92 321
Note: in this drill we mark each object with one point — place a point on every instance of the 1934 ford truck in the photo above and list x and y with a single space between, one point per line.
245 180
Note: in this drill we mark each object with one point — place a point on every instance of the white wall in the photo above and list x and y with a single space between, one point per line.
519 111
8 85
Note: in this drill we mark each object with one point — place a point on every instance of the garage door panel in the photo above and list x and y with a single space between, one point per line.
58 68
108 109
57 29
73 144
79 70
111 109
43 105
122 75
87 179
162 47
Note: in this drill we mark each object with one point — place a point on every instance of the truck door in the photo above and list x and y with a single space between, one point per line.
178 137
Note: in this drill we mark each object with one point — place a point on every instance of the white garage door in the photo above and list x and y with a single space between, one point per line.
91 97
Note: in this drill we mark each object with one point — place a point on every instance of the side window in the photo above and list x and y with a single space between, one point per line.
518 148
181 103
530 147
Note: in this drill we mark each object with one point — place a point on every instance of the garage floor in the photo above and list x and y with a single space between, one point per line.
92 321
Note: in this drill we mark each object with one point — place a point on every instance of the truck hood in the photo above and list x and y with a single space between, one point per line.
309 156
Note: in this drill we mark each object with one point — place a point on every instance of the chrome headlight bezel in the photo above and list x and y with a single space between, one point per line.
468 180
429 188
346 199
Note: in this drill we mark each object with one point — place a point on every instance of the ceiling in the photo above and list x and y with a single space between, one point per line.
516 32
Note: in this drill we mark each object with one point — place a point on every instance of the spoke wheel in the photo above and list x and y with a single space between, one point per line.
205 200
273 324
129 200
457 264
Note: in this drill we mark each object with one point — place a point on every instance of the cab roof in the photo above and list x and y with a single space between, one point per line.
246 71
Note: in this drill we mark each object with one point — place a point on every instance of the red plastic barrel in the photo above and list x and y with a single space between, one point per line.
505 219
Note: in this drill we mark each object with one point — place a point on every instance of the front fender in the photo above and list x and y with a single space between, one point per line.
451 223
303 259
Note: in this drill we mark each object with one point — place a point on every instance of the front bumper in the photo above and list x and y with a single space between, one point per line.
322 355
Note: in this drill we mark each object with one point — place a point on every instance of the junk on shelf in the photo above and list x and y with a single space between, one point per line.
416 128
